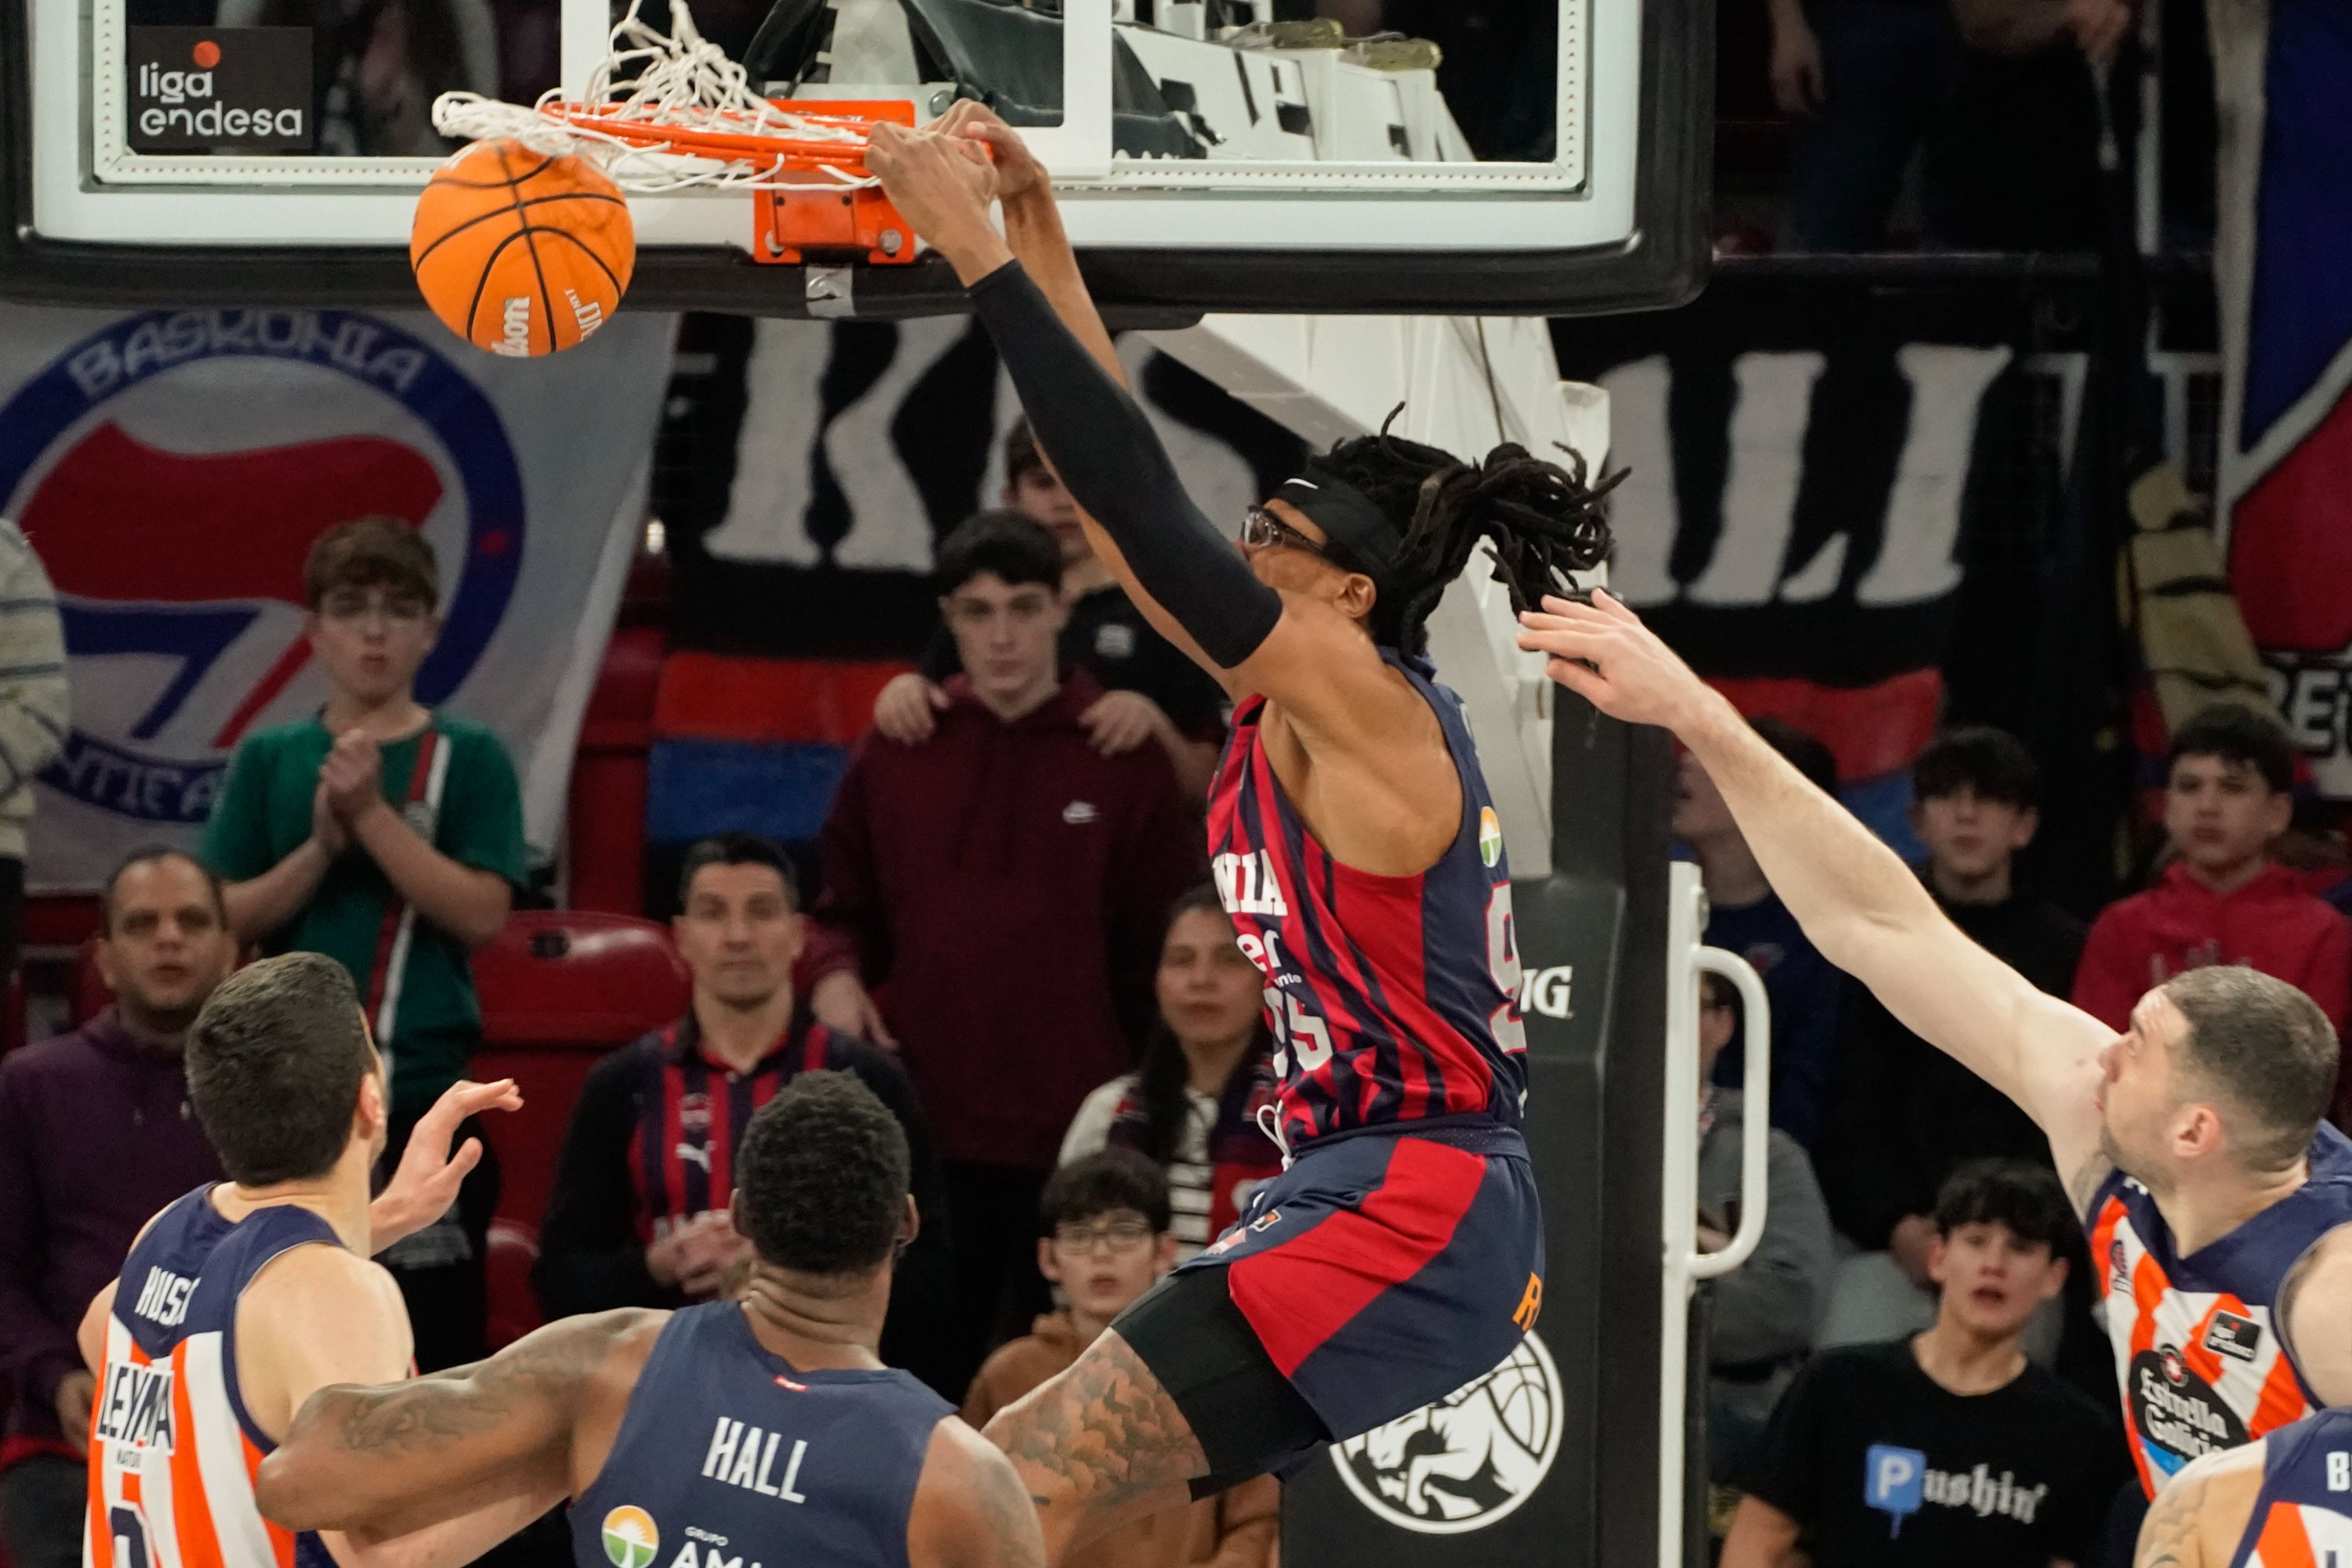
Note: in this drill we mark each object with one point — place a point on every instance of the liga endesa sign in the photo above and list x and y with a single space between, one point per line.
171 469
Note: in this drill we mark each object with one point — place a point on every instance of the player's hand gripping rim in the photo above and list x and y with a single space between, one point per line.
426 1182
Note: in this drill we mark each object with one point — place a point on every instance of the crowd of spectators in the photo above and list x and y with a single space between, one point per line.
1012 946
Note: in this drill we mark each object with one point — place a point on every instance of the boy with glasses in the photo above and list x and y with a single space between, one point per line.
389 837
1105 1239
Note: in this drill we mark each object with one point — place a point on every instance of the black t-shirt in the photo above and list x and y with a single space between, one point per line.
1109 638
1884 1467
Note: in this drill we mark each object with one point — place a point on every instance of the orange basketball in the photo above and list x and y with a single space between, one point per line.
522 252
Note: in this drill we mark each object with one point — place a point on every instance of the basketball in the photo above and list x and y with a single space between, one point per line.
522 252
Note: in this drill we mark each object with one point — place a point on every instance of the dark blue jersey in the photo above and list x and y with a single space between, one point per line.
1392 999
730 1457
2303 1515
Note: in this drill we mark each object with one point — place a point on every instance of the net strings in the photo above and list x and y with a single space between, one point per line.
648 81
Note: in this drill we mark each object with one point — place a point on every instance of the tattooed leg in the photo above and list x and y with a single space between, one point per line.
1098 1446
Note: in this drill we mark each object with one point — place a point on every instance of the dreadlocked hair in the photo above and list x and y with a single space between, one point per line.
1541 521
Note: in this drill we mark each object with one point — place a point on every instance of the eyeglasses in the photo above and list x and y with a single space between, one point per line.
1122 1235
974 615
1261 528
349 609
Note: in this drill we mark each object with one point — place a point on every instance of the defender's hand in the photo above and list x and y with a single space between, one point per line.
426 1183
1604 653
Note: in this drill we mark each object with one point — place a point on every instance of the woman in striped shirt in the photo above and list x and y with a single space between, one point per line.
1192 1105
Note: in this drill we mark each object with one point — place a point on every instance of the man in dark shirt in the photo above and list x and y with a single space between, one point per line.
1952 1448
94 1137
1745 916
638 1216
1005 884
1150 692
1905 1114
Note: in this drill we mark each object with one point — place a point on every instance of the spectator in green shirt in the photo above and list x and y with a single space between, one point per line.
389 837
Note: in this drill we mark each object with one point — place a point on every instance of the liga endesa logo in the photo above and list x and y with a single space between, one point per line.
179 573
237 88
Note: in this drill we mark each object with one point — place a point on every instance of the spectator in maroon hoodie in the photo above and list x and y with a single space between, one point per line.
94 1137
2222 899
1005 884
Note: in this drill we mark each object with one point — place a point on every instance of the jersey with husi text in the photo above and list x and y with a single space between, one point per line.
172 1450
1392 999
2197 1346
2303 1515
730 1457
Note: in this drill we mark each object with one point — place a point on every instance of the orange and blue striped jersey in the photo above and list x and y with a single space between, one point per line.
2303 1515
1392 999
2197 1344
172 1450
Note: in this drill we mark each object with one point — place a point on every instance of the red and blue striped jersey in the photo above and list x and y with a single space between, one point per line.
1392 999
2303 1515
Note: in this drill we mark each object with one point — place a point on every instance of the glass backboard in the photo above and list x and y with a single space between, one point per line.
1528 156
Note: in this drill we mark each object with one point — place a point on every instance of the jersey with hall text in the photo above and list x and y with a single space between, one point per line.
2196 1339
2303 1515
729 1456
172 1450
1391 999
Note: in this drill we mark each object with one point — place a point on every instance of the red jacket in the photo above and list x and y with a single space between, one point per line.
2269 924
1006 889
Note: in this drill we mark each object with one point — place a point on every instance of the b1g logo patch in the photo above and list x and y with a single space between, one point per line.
2234 1336
2177 1414
1469 1459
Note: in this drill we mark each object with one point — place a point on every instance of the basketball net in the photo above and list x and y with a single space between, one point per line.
669 112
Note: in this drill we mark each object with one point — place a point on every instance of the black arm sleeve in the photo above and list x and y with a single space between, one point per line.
1110 459
590 1259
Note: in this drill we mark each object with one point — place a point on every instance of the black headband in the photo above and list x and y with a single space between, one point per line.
1365 538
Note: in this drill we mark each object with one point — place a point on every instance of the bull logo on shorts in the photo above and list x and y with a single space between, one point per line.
175 539
1469 1459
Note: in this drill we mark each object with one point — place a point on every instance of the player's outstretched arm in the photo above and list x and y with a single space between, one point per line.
970 1509
1183 571
1867 911
480 1446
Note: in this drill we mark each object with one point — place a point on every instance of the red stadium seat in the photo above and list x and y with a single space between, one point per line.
559 989
514 1311
605 853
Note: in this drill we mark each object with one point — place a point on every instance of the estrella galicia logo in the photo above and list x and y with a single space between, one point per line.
1469 1459
177 554
2176 1413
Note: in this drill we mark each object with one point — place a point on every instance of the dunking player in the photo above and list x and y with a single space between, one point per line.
2191 1143
2283 1500
243 1296
766 1432
1353 841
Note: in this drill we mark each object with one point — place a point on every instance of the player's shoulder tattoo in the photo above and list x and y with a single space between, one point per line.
427 1412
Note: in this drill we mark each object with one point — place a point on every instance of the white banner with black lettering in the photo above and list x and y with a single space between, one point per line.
172 468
